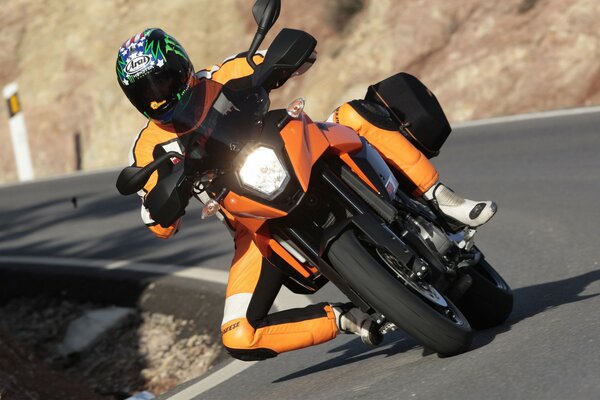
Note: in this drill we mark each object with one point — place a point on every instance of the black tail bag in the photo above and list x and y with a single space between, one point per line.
414 107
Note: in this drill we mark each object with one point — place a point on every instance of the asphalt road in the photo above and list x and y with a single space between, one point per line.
544 174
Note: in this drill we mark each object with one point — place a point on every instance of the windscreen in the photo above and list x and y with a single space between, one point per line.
214 123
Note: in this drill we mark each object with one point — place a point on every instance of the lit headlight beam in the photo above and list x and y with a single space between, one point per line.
263 172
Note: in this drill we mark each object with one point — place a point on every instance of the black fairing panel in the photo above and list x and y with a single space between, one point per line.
374 167
289 50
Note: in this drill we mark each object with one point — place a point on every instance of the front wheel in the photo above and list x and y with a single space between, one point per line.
420 310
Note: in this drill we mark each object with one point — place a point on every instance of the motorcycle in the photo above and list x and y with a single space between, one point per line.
322 204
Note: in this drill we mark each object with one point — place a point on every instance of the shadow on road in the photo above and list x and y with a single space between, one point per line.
529 301
355 351
91 228
536 299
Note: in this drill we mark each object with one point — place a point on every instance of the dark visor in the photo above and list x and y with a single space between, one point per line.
157 92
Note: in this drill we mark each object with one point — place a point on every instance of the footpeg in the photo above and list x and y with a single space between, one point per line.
384 325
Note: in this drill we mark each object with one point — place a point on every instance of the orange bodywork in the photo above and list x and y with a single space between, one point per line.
304 143
248 212
342 141
240 206
341 138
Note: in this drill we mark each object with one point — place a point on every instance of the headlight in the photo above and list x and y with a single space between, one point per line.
263 172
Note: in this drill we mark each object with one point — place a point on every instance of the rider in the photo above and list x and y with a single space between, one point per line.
154 71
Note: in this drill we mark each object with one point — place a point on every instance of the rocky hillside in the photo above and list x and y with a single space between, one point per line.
481 58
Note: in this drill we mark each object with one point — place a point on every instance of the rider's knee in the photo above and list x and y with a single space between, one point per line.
239 341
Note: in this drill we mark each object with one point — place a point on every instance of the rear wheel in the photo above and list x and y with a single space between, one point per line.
415 307
489 300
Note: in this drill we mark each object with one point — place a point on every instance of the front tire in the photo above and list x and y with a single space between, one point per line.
442 329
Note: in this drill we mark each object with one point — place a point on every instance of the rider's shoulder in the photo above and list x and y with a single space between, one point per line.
156 133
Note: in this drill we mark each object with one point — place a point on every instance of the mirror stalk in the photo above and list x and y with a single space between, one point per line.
265 14
256 42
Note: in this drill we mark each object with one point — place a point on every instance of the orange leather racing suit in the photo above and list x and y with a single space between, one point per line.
249 332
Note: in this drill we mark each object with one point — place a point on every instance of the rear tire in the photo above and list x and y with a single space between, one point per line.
489 300
443 330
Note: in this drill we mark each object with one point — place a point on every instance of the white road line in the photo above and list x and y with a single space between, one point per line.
286 299
213 380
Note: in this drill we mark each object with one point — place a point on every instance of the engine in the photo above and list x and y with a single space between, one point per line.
432 235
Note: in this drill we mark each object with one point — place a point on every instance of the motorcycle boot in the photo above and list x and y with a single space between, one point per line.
464 211
351 319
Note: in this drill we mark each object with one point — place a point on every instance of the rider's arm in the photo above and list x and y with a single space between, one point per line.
233 67
236 67
142 153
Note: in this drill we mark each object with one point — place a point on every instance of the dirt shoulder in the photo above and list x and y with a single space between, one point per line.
23 376
146 351
170 333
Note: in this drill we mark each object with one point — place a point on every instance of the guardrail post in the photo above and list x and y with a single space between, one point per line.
18 133
78 159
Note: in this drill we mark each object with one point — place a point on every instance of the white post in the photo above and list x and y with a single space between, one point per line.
18 133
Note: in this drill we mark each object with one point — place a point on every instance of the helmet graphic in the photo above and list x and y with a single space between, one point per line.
154 71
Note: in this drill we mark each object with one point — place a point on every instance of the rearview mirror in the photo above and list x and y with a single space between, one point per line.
132 179
265 14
